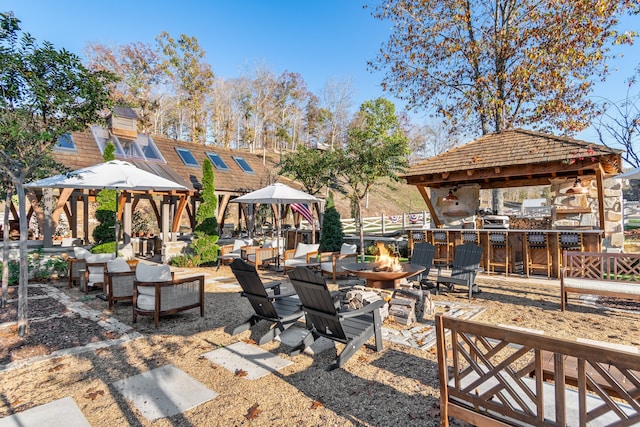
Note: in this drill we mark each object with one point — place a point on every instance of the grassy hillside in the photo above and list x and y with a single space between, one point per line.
386 198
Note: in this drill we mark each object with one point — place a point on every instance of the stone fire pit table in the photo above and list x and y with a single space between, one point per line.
382 279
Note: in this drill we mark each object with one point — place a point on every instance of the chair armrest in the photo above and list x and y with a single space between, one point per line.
326 256
170 282
312 255
250 249
366 309
288 254
225 249
120 273
273 285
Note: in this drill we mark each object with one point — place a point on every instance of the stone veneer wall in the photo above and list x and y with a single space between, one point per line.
614 230
456 213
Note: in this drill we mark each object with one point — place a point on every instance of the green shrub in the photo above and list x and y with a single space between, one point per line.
14 272
56 264
104 248
185 261
332 235
205 248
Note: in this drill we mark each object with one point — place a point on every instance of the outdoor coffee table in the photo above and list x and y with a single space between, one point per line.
315 265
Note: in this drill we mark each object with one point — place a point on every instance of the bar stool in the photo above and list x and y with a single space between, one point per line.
568 242
498 243
443 246
537 247
473 236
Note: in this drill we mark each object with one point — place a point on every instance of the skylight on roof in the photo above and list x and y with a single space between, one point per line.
218 162
66 142
187 157
244 165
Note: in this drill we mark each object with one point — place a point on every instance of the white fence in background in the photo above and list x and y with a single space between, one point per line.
387 223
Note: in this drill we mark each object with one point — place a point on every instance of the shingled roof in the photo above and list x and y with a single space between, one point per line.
234 181
514 158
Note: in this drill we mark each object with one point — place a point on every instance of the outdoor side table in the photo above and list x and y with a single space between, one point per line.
228 257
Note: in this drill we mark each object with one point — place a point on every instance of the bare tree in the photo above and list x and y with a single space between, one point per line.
336 99
619 124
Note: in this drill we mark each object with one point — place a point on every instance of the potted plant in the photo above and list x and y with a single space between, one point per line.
133 263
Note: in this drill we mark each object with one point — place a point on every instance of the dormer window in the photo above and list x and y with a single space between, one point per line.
102 138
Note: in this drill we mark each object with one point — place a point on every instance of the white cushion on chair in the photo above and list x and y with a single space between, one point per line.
294 262
239 243
99 257
80 252
304 248
96 272
118 265
153 273
327 266
348 249
145 301
273 243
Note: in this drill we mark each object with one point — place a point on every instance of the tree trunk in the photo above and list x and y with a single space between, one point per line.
361 229
23 308
497 201
5 250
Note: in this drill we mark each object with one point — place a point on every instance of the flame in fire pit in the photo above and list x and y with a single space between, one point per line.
385 261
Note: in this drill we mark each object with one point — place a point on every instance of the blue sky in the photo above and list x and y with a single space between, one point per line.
320 39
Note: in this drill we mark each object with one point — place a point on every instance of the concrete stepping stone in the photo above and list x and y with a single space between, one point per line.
61 412
163 392
293 336
255 361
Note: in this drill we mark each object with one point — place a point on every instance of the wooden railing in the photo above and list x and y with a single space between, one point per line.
493 375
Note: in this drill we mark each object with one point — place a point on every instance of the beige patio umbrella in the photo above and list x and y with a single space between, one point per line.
113 175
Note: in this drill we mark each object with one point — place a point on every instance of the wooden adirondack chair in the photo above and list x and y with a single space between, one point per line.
352 328
282 310
465 267
423 254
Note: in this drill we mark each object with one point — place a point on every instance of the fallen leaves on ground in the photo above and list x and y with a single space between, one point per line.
316 404
252 412
93 393
241 373
56 368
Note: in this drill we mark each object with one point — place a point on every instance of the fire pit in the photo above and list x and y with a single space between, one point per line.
386 272
383 279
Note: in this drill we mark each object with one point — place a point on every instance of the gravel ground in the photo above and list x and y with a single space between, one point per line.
397 386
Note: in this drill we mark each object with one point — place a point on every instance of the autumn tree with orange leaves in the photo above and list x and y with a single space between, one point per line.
489 65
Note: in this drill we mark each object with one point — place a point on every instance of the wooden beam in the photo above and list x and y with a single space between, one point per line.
34 201
156 211
600 184
176 218
65 193
222 208
432 211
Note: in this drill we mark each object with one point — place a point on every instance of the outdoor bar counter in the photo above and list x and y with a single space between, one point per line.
520 251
